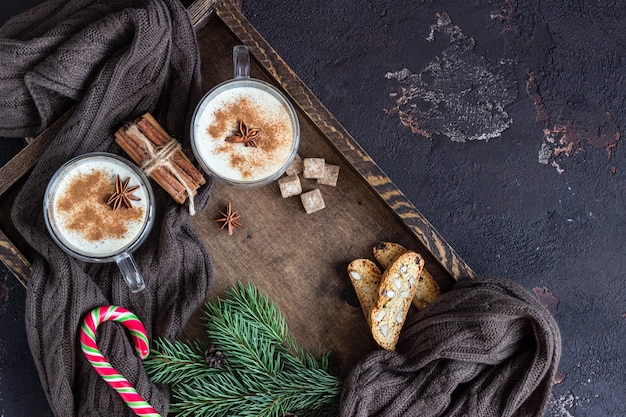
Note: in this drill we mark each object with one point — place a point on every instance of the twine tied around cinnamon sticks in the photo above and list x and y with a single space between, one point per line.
161 158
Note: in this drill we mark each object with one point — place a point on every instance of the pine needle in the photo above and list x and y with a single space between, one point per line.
177 361
266 374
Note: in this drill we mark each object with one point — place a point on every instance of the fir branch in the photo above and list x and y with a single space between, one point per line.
222 396
225 395
254 308
173 362
244 345
258 310
266 374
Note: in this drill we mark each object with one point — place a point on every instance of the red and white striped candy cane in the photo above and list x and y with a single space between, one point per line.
103 367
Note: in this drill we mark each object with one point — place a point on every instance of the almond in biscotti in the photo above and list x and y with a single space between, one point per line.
365 277
427 288
396 290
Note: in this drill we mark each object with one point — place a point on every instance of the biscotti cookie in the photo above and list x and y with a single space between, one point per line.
427 288
396 290
386 252
365 277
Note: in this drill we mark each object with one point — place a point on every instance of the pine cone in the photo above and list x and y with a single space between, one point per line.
214 357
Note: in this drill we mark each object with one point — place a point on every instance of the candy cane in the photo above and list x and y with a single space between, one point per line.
140 339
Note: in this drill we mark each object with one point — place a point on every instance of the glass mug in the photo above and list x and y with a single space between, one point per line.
83 224
244 131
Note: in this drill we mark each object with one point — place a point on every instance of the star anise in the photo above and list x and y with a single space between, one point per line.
123 194
245 135
230 219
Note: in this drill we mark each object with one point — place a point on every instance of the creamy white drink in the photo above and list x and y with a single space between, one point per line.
245 105
78 213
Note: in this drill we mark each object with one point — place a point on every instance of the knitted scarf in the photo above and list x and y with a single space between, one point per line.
106 62
486 348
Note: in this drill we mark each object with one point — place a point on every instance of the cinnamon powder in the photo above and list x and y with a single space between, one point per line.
275 134
84 205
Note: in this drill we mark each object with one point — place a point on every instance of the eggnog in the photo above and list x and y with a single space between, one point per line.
79 216
222 121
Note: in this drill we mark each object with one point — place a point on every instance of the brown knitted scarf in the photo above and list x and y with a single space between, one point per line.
485 349
105 61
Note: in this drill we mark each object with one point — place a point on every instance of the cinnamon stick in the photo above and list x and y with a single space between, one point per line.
139 136
161 176
156 134
146 141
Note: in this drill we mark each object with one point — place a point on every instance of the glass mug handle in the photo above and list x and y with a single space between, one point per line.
129 271
241 62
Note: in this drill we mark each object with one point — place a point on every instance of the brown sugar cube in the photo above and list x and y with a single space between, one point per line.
331 173
312 201
290 186
296 167
314 168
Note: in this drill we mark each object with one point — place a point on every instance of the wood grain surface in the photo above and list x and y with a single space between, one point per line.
345 145
298 259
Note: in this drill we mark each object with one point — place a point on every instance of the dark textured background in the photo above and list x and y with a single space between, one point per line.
535 194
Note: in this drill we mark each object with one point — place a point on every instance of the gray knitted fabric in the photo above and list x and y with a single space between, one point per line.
106 62
487 348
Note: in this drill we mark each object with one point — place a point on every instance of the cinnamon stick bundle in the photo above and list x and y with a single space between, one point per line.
160 157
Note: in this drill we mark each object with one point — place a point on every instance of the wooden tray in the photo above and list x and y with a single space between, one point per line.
299 260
